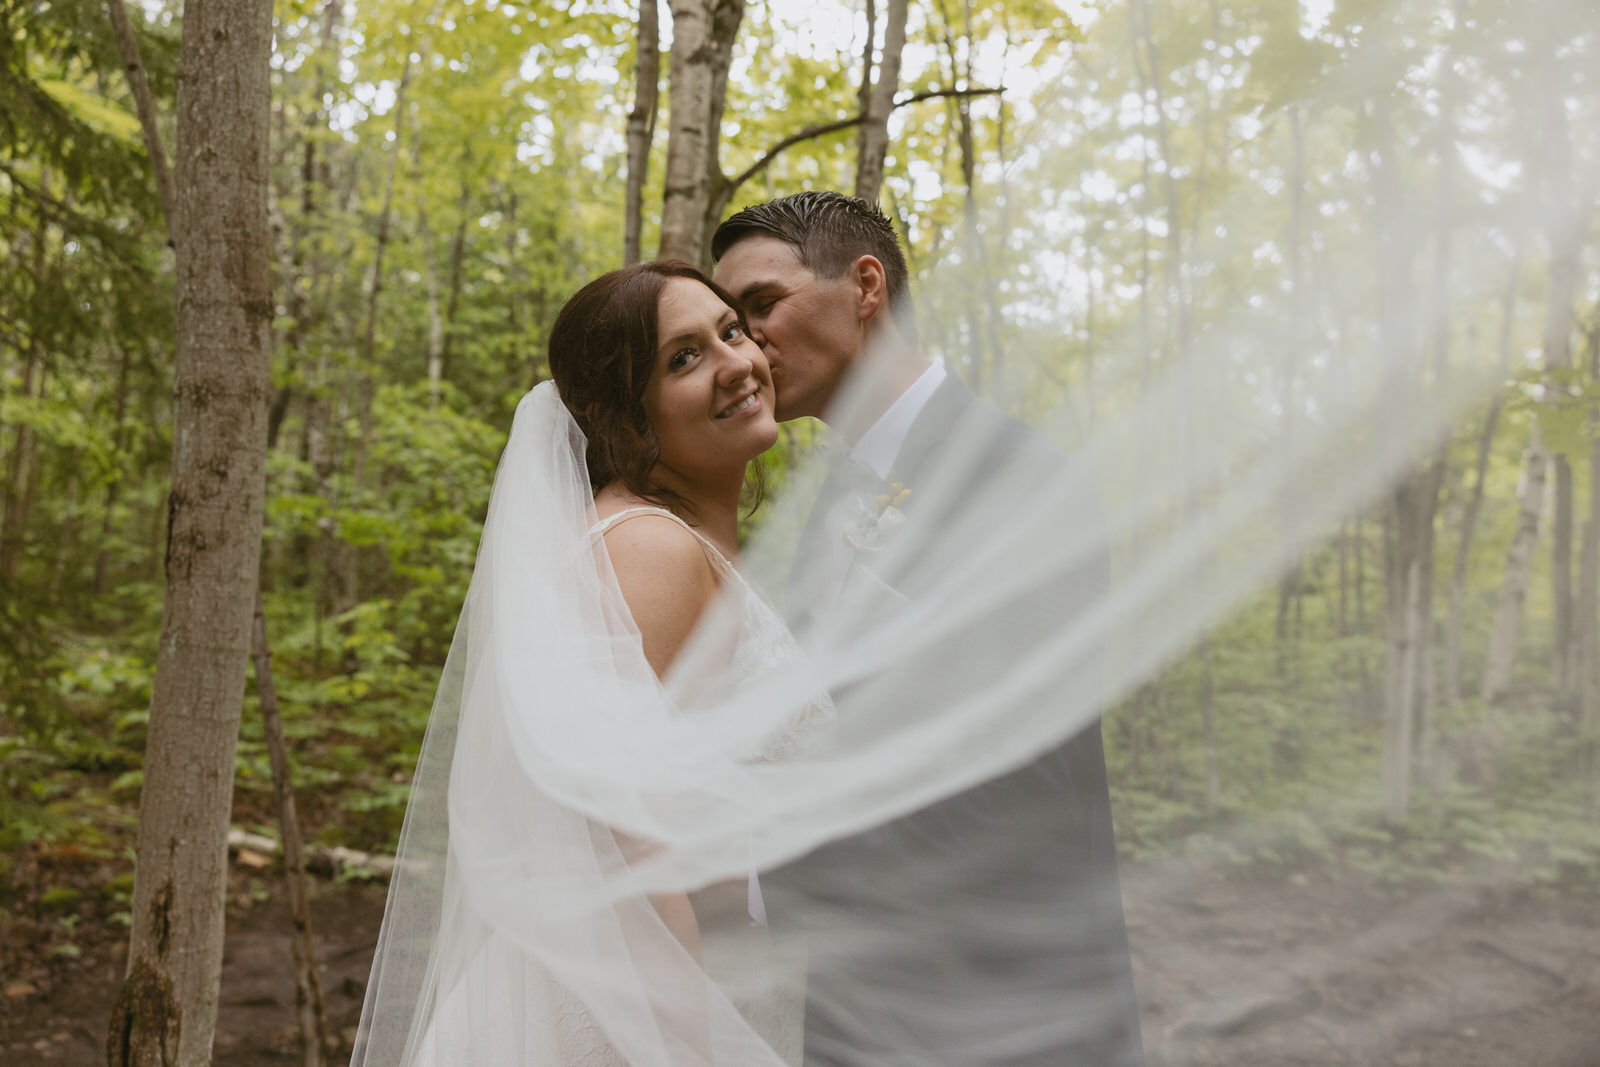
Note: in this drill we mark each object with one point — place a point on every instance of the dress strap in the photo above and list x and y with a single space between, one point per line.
718 560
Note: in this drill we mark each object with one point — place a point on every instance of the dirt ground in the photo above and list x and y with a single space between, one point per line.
1232 969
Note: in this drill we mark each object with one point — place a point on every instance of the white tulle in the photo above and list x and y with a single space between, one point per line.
1042 572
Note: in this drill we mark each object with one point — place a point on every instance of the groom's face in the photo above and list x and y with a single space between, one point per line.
810 328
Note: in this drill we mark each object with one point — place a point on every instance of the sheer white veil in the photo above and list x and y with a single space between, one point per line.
1042 568
506 937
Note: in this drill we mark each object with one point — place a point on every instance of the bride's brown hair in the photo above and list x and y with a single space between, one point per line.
602 352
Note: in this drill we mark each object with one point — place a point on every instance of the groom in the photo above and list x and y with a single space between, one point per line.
941 977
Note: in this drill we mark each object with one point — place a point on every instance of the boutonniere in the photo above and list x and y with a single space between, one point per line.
875 523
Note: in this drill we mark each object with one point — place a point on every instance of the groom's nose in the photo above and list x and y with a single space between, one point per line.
756 330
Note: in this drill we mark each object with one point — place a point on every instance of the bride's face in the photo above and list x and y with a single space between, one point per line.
710 398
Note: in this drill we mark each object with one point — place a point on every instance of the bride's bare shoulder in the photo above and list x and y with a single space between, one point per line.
663 573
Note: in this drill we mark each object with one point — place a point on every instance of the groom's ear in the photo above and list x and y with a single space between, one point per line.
872 286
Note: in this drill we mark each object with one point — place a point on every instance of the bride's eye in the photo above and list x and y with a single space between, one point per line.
732 332
680 359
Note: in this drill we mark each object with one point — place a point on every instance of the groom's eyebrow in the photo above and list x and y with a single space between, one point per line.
755 289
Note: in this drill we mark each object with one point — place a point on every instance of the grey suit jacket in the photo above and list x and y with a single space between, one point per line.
1035 844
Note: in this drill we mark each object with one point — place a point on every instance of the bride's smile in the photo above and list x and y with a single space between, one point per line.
710 398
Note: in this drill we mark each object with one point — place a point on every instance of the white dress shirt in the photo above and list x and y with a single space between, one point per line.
877 450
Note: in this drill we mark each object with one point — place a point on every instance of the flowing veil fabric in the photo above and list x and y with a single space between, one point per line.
1034 577
506 939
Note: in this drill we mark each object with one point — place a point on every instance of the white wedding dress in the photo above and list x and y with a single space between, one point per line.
517 932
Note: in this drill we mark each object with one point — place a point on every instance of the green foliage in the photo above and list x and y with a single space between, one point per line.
506 156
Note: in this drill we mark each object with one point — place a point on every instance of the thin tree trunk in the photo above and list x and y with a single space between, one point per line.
1589 602
1565 240
1414 501
1501 654
145 104
19 465
458 246
66 541
309 1010
1290 582
641 126
347 569
430 274
1469 518
167 1008
102 559
877 98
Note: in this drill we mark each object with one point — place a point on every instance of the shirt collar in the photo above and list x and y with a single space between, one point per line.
880 445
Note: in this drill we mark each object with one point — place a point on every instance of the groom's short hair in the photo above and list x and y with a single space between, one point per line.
829 231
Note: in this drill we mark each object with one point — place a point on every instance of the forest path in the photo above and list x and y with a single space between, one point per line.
1232 969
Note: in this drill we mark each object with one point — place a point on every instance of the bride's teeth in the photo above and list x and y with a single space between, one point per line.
740 406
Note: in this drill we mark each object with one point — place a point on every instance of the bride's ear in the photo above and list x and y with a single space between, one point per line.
872 287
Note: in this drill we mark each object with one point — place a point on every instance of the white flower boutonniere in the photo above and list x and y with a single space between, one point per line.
874 524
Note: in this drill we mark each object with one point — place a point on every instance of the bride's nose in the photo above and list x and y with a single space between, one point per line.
734 365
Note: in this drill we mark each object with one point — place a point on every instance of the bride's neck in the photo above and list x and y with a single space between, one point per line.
713 503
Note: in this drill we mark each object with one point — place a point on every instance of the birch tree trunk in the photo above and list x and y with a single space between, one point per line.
877 98
1501 654
1412 505
703 33
166 1010
642 125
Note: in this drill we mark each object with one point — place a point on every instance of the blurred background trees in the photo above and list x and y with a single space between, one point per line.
444 173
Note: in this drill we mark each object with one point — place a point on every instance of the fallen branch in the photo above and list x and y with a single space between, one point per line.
328 861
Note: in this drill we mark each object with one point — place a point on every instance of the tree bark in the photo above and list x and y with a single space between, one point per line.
641 126
877 98
1501 654
167 1008
703 33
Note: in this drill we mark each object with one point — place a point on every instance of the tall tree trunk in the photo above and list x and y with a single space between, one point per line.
430 274
166 1010
1469 517
145 104
703 33
102 559
1413 502
347 568
1290 583
458 247
641 126
1589 600
19 465
877 97
1565 239
1501 654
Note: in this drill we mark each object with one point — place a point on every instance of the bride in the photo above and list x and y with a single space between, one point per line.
511 935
